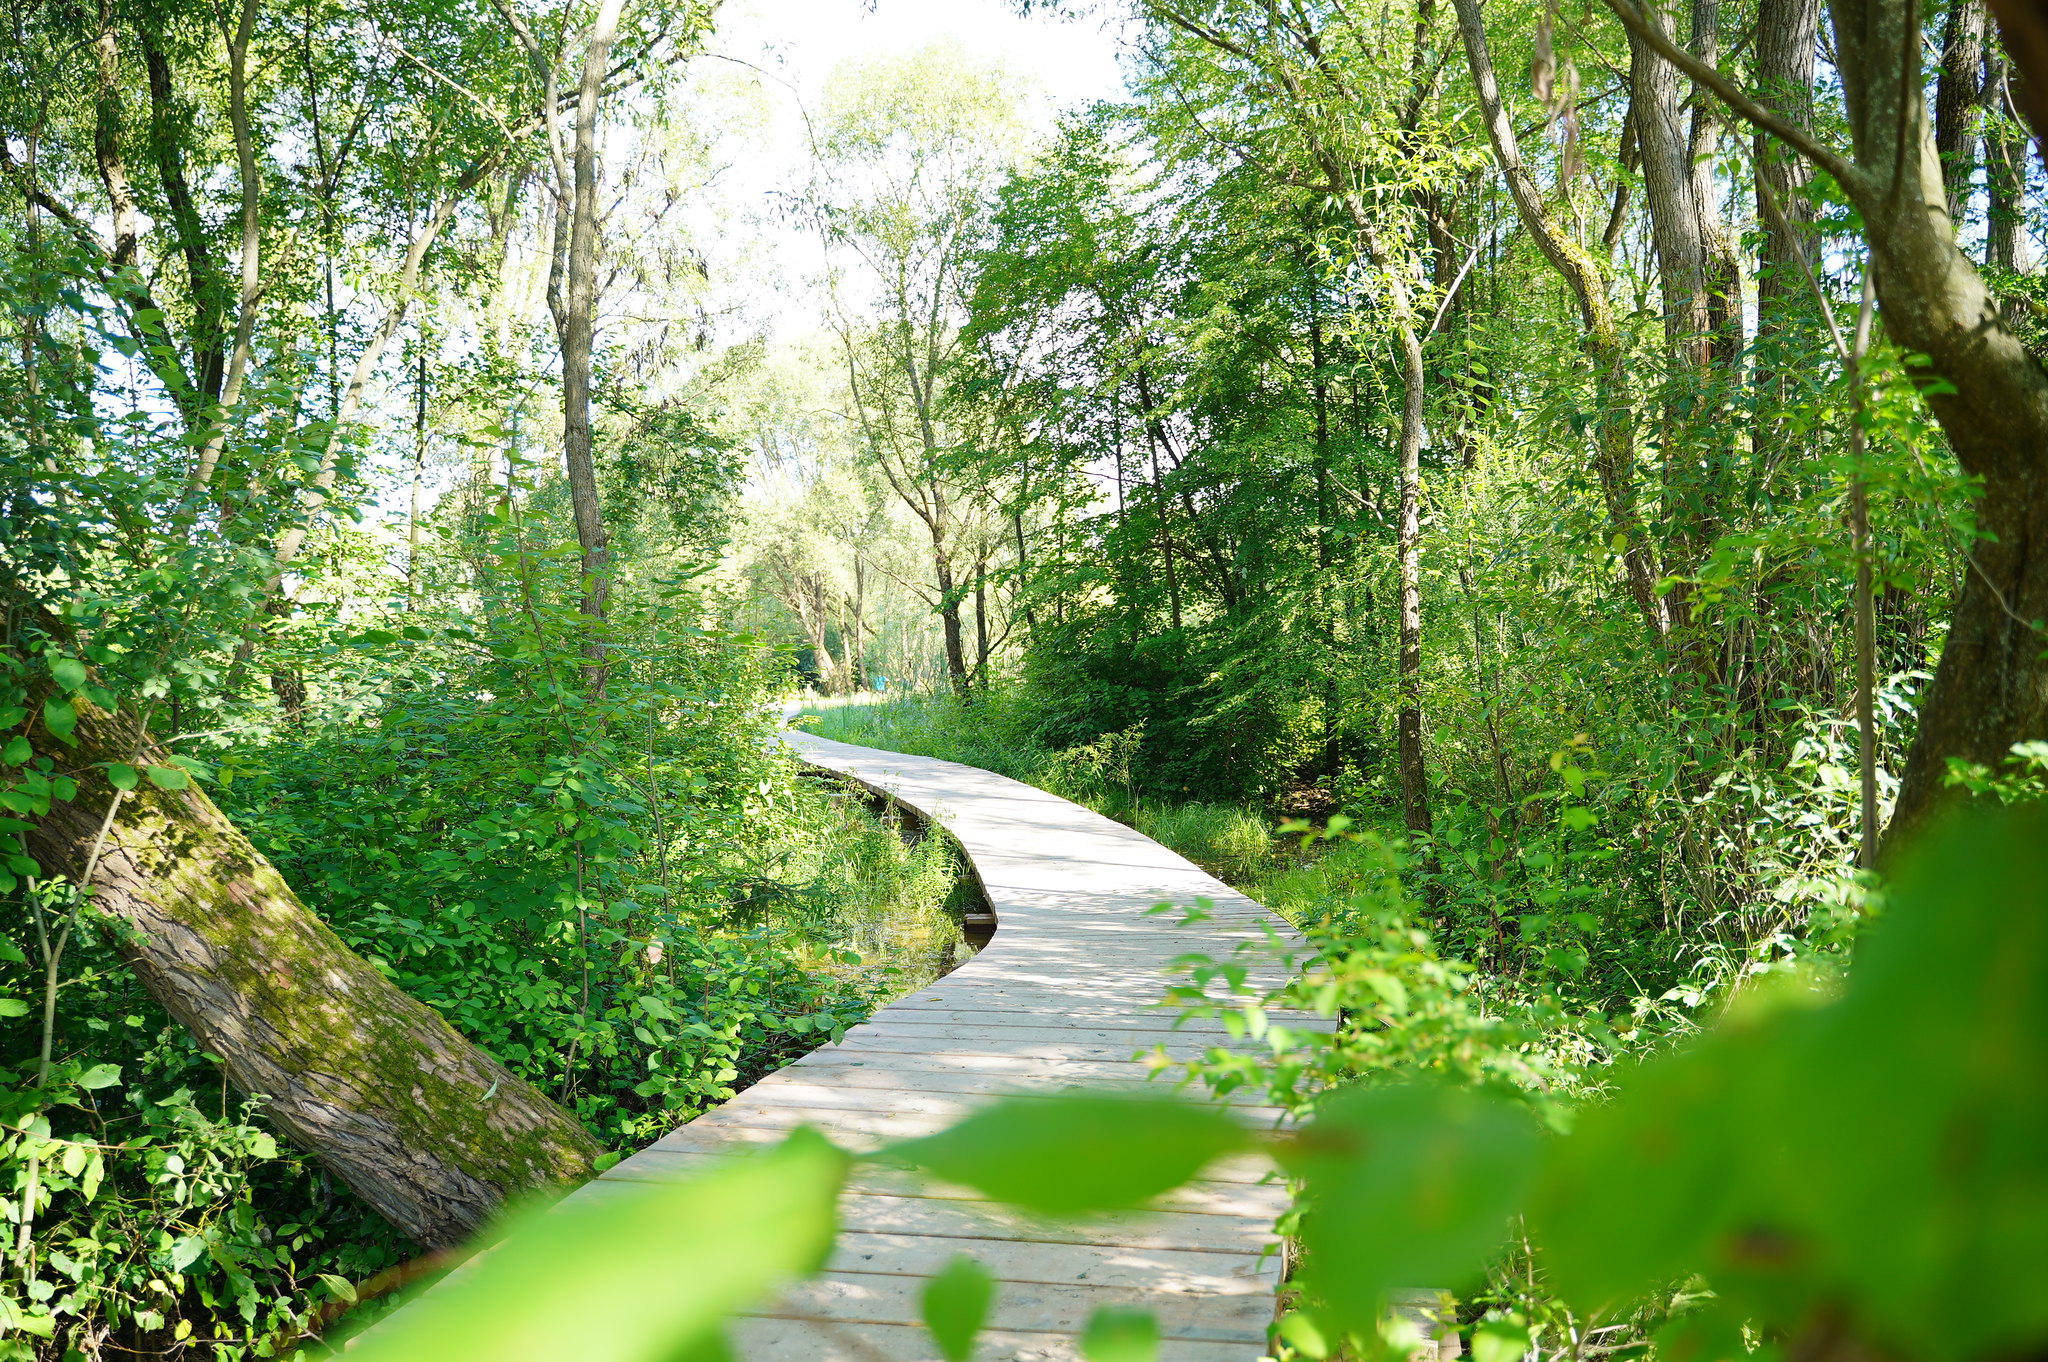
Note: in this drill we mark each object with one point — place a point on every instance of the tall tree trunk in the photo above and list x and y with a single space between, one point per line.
1723 259
1414 772
1614 450
425 1127
1165 539
1959 100
949 622
578 323
1678 228
1675 222
981 623
1991 688
1787 32
1408 548
2005 164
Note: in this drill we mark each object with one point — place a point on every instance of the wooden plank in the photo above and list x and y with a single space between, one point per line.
1164 1270
982 1221
785 1340
942 1075
1244 1195
1033 1307
801 1088
740 1141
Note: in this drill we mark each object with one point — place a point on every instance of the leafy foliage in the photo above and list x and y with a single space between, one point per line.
1771 1157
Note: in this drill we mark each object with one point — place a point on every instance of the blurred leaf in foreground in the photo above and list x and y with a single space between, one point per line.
1116 1335
956 1306
644 1275
1888 1152
1074 1154
1409 1186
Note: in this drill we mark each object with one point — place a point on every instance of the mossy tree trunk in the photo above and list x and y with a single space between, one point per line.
423 1125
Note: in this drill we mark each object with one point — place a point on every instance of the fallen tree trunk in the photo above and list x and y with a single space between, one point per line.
424 1126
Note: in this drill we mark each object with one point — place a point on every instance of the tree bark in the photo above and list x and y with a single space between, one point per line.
428 1129
1786 38
1959 100
2005 165
1675 224
949 621
1991 688
208 293
578 325
1408 548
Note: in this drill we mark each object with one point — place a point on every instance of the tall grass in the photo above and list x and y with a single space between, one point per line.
1231 842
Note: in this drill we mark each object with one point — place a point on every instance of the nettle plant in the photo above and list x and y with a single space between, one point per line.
1849 1176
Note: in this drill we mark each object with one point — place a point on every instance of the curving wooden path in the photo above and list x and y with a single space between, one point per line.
1064 995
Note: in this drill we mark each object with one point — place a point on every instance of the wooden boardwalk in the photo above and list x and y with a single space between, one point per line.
1061 997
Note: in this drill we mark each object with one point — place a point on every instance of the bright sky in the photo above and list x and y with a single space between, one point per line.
1073 62
799 43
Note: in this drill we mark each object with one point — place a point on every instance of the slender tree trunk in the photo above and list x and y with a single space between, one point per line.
949 623
1614 450
1408 548
1787 32
1723 257
238 40
1675 221
578 324
1959 100
425 1127
1023 563
208 292
981 623
419 477
2005 162
857 650
1414 772
1165 539
1865 605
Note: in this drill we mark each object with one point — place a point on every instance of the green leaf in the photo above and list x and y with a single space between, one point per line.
59 718
122 776
1500 1340
13 1007
100 1076
1406 1185
17 751
1079 1153
341 1288
956 1306
1115 1335
1881 1153
1300 1332
630 1272
167 777
69 671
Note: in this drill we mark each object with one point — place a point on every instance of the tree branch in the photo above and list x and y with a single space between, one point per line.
1739 102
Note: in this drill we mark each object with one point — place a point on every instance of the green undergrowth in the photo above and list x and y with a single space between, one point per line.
636 901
